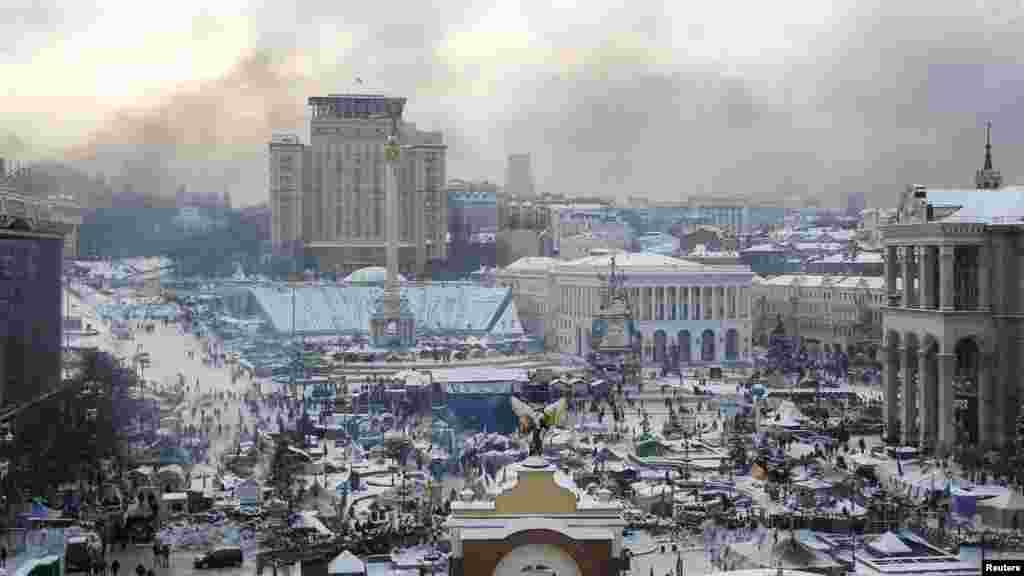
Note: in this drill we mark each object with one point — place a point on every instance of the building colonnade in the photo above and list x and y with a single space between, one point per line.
701 344
690 302
938 277
939 396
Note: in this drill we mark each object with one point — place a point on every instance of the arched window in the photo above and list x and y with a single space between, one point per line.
707 346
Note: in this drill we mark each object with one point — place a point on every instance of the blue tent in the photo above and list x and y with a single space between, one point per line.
174 455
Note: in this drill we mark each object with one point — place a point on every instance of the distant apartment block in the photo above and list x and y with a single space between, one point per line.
519 176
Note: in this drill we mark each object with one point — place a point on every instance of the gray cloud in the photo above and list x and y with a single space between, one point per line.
889 93
24 22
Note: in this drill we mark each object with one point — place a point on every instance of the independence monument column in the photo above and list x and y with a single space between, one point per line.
392 324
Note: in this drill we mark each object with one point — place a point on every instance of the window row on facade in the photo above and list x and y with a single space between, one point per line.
666 302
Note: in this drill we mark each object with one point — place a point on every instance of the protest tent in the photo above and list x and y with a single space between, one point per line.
1003 511
346 564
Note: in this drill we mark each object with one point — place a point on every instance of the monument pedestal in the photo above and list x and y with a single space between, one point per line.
393 324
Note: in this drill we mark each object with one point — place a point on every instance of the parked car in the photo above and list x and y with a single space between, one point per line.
223 557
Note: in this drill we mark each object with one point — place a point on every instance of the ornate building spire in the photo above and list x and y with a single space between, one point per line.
988 146
988 178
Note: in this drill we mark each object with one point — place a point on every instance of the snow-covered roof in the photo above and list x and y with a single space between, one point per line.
823 281
764 572
309 521
172 469
1003 205
1008 500
370 275
766 248
121 269
532 264
702 251
478 374
439 309
869 282
861 258
823 246
647 263
560 478
890 543
346 564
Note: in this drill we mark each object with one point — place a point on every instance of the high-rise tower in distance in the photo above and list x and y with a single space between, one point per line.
329 195
519 176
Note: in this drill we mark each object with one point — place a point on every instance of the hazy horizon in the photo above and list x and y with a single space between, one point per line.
656 99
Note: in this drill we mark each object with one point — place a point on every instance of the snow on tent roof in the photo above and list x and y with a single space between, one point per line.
479 388
346 564
1008 500
789 411
172 470
309 521
478 374
814 484
890 543
370 275
811 540
301 452
438 309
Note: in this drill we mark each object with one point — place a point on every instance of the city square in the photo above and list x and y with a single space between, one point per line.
269 319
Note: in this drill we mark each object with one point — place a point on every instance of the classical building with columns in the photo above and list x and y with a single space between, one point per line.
533 291
954 321
686 312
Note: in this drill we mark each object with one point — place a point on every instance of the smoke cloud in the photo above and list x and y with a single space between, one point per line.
662 100
208 135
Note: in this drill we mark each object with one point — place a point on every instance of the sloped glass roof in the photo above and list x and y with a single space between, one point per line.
438 309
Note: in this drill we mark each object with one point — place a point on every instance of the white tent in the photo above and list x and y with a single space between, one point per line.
1004 511
346 564
890 543
172 477
309 521
787 415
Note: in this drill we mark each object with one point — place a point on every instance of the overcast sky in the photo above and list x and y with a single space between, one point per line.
663 99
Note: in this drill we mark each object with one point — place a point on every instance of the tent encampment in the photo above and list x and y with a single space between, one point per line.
1003 511
346 564
889 543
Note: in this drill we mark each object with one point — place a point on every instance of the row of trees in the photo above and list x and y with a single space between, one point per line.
65 438
131 231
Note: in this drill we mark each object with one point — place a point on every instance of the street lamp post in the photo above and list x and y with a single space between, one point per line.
853 543
981 546
7 444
